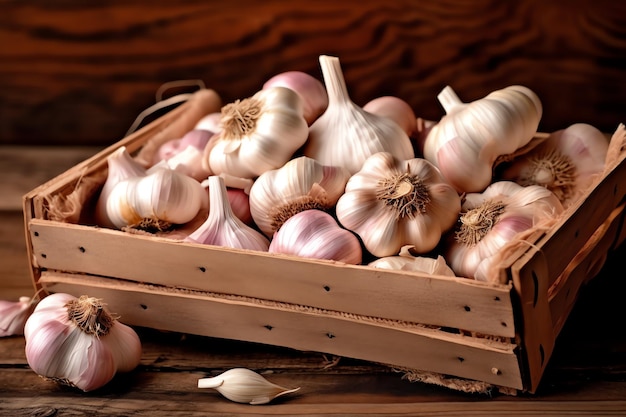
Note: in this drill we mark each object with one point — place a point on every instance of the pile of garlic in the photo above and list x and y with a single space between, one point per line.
299 169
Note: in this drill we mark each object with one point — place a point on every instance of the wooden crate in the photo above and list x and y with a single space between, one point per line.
461 333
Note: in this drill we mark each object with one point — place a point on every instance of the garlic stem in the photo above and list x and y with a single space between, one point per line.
449 99
334 80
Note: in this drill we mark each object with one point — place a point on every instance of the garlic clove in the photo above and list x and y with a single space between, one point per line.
396 109
13 315
210 122
245 386
316 234
406 261
222 227
187 158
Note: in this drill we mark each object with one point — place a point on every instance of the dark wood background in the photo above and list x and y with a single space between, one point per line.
78 73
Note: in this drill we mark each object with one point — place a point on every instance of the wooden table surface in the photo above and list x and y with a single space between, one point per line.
585 376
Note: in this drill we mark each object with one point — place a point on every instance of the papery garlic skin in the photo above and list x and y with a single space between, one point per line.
566 163
245 386
258 134
407 262
222 227
316 234
161 198
210 123
186 154
494 218
13 315
121 166
466 142
391 203
76 342
302 183
346 135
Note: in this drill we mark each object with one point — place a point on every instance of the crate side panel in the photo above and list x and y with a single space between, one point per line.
421 349
451 302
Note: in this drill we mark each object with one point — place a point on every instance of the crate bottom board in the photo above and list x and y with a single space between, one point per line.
299 327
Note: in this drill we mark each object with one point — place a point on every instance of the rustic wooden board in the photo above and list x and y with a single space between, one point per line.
304 329
79 74
453 302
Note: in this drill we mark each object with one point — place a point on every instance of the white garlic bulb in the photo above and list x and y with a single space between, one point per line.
259 133
222 227
391 203
121 166
13 315
466 142
158 200
186 154
243 385
407 261
316 234
346 135
302 183
492 219
77 342
566 163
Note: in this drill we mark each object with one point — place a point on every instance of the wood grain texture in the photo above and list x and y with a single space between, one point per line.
73 73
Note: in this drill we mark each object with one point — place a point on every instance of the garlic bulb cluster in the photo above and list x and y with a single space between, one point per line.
407 261
222 227
466 142
492 219
316 234
155 201
245 386
302 183
13 315
346 135
566 163
77 342
259 133
391 203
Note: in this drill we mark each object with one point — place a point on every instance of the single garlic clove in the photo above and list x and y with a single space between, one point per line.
13 315
409 262
243 385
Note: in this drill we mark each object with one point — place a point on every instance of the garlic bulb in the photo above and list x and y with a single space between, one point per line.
492 219
158 200
302 183
396 109
13 315
121 166
316 234
566 163
243 385
240 204
185 155
258 134
210 122
346 135
310 89
390 203
406 261
77 342
222 227
466 142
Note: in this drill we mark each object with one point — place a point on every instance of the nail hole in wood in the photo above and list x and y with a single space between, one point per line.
330 335
503 324
576 233
82 249
268 327
327 288
461 358
467 308
36 234
143 306
536 288
496 298
202 269
43 255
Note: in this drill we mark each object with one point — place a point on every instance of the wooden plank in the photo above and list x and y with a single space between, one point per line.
453 302
418 348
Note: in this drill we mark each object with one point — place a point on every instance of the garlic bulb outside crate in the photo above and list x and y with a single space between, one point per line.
566 163
494 218
222 227
466 142
346 135
121 166
391 203
302 183
13 315
258 134
78 342
316 234
158 200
